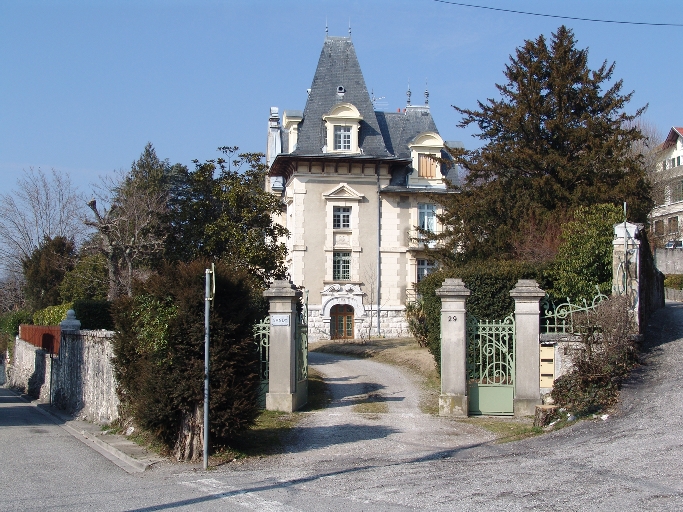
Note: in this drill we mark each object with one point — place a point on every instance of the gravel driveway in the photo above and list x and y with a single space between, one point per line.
403 459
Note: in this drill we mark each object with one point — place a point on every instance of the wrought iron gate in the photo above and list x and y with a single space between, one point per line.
491 365
262 339
301 337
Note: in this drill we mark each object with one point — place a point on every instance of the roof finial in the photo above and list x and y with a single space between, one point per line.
349 28
326 30
426 93
408 93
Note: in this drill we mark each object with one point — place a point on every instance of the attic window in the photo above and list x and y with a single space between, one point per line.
341 90
342 138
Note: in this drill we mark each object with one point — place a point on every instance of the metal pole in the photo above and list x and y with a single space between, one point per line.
207 305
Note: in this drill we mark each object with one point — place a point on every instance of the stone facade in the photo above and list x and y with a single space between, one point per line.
666 217
356 184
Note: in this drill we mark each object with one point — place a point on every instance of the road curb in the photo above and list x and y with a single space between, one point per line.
125 462
139 466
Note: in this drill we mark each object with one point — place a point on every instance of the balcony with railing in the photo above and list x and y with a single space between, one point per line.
416 241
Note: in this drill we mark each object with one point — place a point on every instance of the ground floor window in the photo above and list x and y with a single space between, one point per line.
341 266
341 322
424 267
673 225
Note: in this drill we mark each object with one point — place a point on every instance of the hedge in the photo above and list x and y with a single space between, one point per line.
489 283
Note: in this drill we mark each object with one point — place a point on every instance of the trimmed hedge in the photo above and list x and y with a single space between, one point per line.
94 314
489 283
52 315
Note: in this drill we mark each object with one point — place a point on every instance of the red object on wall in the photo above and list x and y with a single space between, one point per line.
45 337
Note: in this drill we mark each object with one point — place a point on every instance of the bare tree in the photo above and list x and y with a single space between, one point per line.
129 228
130 221
11 293
41 207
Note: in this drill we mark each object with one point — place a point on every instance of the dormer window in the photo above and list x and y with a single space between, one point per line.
425 149
426 166
342 138
342 124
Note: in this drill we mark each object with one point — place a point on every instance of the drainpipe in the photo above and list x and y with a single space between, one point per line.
379 242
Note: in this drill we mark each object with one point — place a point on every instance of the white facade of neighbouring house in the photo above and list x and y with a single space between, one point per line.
667 215
357 184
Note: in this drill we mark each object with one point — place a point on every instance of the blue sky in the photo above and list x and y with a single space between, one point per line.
84 85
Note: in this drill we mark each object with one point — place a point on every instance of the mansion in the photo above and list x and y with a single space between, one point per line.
357 183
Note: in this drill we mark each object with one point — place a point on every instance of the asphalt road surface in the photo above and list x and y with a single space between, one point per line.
394 458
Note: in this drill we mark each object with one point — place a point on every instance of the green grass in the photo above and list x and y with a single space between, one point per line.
505 429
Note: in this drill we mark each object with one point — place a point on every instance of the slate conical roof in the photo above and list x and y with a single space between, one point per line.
338 66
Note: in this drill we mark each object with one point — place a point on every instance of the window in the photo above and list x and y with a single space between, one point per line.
427 217
341 217
673 224
341 266
659 227
426 166
673 162
678 160
677 191
424 267
342 138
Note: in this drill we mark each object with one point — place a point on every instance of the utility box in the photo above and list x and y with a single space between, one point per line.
547 366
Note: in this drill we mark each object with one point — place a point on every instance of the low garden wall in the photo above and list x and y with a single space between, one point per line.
79 379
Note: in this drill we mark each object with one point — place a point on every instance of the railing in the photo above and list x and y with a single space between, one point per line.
417 240
561 319
45 337
262 339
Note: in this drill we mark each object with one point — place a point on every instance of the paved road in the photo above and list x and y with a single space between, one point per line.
398 460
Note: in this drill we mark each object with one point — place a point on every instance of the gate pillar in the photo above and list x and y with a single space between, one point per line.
527 296
453 398
282 386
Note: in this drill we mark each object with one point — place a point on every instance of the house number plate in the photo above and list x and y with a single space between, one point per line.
279 319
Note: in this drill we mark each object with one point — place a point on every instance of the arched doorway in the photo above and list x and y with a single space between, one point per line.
341 322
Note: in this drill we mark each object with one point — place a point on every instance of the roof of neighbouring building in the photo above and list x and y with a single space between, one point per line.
671 138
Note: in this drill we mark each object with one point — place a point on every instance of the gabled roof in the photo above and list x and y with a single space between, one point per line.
671 138
338 67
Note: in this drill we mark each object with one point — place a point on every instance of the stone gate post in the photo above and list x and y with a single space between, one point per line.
527 296
453 399
282 386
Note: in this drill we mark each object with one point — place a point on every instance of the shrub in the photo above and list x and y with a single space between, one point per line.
159 349
94 314
89 279
9 322
52 315
674 281
584 258
606 355
9 328
489 283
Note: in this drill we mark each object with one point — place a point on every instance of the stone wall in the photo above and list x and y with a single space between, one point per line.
29 371
392 324
673 294
669 261
82 380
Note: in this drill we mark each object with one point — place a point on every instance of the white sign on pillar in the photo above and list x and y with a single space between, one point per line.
279 320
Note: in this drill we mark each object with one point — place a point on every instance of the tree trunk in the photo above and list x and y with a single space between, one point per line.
544 415
190 443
